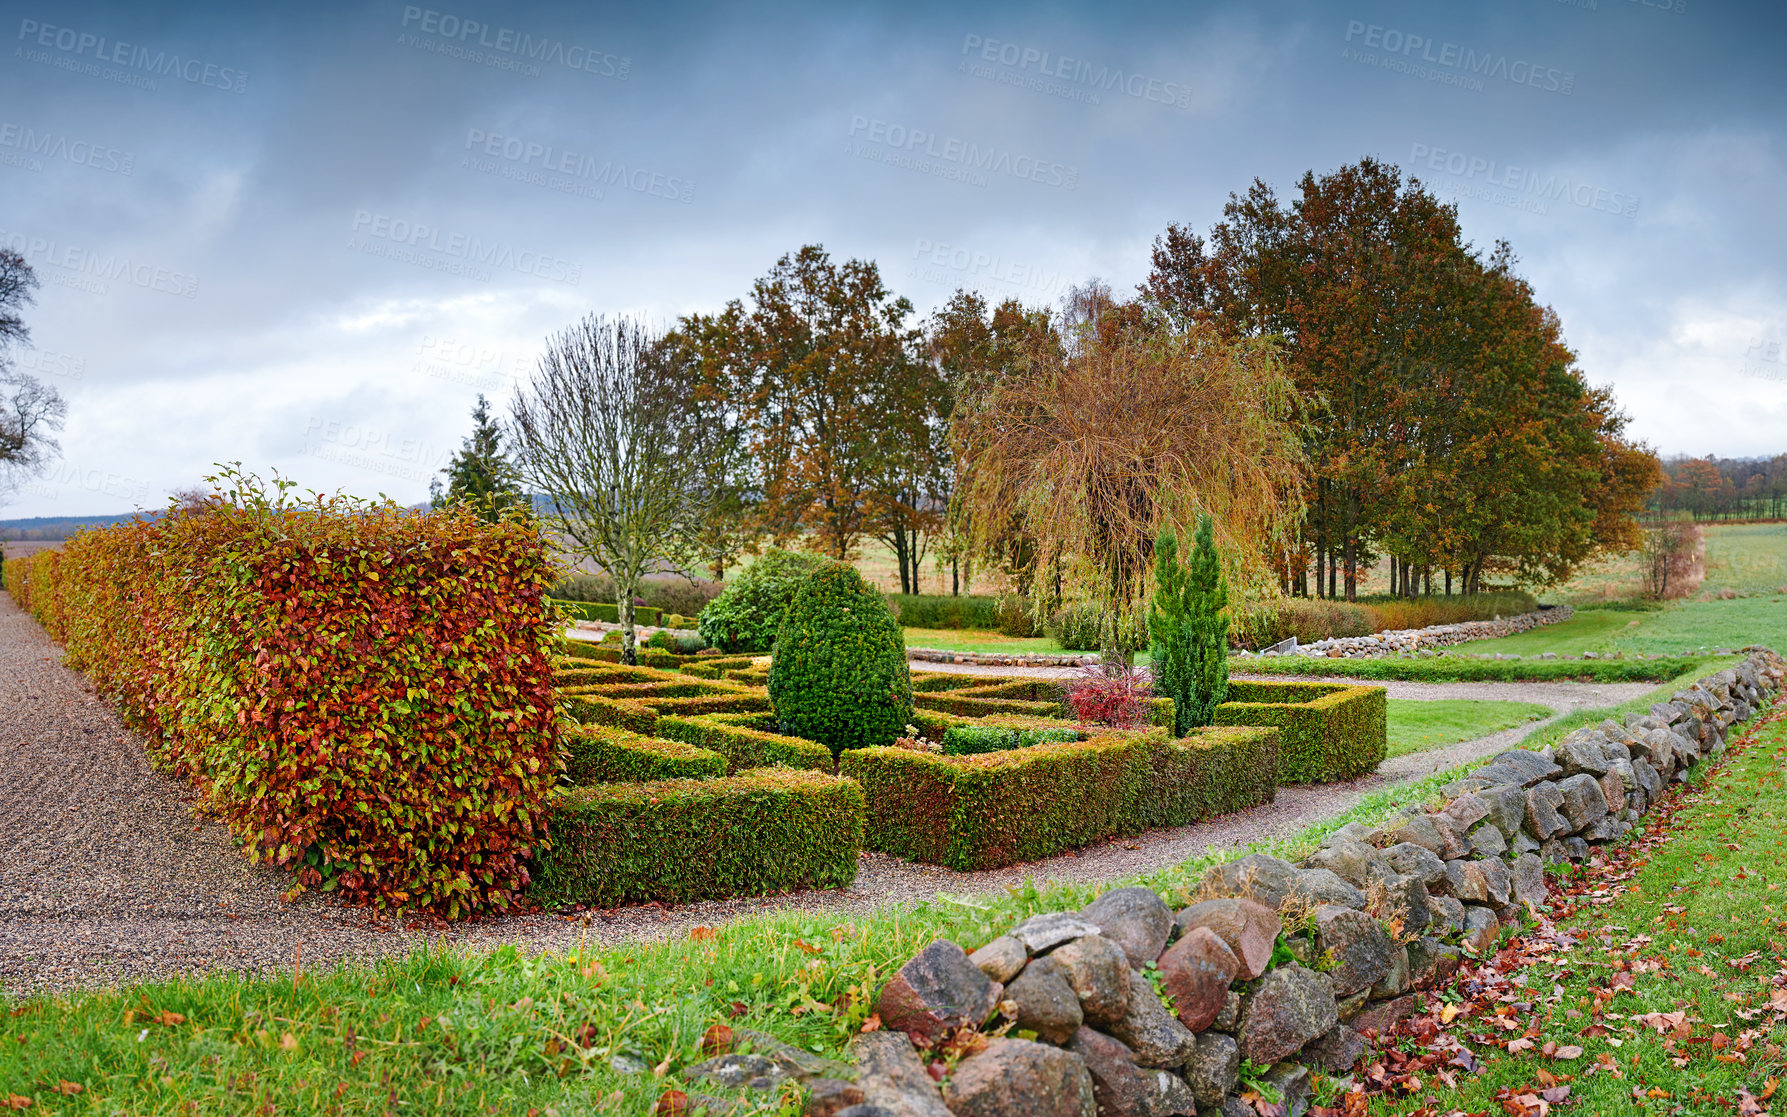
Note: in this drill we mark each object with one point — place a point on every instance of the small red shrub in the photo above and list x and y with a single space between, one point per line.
1118 699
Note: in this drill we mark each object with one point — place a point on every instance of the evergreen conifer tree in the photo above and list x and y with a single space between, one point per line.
480 474
1189 633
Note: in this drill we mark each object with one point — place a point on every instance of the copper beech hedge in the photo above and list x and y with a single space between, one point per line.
361 693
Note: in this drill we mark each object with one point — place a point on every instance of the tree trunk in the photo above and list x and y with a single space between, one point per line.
955 577
1352 546
623 603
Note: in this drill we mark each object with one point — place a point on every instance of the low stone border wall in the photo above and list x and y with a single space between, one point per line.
1402 640
1393 642
1138 1010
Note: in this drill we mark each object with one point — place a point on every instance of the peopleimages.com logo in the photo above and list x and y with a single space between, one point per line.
949 157
1423 57
504 48
428 246
1521 187
1063 75
73 266
568 172
26 146
71 48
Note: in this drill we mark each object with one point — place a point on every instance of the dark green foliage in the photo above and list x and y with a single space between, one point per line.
662 640
744 747
1460 668
600 754
480 475
1000 808
967 740
768 830
607 611
747 616
942 611
840 676
1015 617
1077 628
1189 630
1329 731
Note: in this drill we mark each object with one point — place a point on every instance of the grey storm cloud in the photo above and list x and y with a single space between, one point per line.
306 237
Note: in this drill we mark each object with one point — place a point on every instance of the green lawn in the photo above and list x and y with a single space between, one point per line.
1587 631
1417 725
1746 558
1688 627
1676 995
976 640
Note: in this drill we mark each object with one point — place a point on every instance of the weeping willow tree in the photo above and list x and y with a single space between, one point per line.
1093 443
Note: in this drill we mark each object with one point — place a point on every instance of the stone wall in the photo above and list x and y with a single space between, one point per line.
1401 640
1126 1007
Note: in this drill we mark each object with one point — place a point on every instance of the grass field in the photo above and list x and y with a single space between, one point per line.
1675 997
1417 725
975 640
1588 630
1746 558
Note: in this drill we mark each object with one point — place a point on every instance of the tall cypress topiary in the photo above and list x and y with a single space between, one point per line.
839 675
1189 632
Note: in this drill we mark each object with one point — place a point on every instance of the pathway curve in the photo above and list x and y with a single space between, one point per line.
105 876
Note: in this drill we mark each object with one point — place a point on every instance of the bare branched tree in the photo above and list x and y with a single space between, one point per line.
603 431
29 409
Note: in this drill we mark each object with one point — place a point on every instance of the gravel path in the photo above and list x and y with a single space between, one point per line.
107 877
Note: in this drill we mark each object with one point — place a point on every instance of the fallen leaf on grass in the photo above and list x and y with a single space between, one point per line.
1568 1051
14 1101
73 1088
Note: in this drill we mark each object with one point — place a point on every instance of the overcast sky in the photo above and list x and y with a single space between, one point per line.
307 239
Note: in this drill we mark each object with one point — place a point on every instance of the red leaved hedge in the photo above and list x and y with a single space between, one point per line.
361 693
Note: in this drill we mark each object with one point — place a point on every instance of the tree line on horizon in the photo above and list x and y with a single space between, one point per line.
1336 378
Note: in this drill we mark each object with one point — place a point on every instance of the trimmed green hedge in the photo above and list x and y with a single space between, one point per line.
763 831
715 667
924 610
604 754
968 740
1329 731
607 611
1001 808
839 675
745 747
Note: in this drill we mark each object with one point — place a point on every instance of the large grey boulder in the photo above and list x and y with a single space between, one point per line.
1336 1051
1346 857
1136 919
1448 915
1001 959
1320 886
1099 972
1466 811
936 992
1152 1033
1507 807
1543 820
1254 877
1417 861
1123 1089
1528 880
1583 800
1487 841
1045 1001
891 1077
1481 929
1405 903
1431 962
1291 1006
1434 833
1018 1078
1215 1068
1356 943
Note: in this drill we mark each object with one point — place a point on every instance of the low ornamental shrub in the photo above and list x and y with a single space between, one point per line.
1015 617
360 693
1076 627
1328 731
995 809
768 830
1117 698
748 614
839 676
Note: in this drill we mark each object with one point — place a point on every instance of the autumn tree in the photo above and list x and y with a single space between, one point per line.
702 355
1444 420
1097 445
820 363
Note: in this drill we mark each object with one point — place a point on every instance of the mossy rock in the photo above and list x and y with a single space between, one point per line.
840 676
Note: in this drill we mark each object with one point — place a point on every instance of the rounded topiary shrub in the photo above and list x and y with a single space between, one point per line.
840 676
746 616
